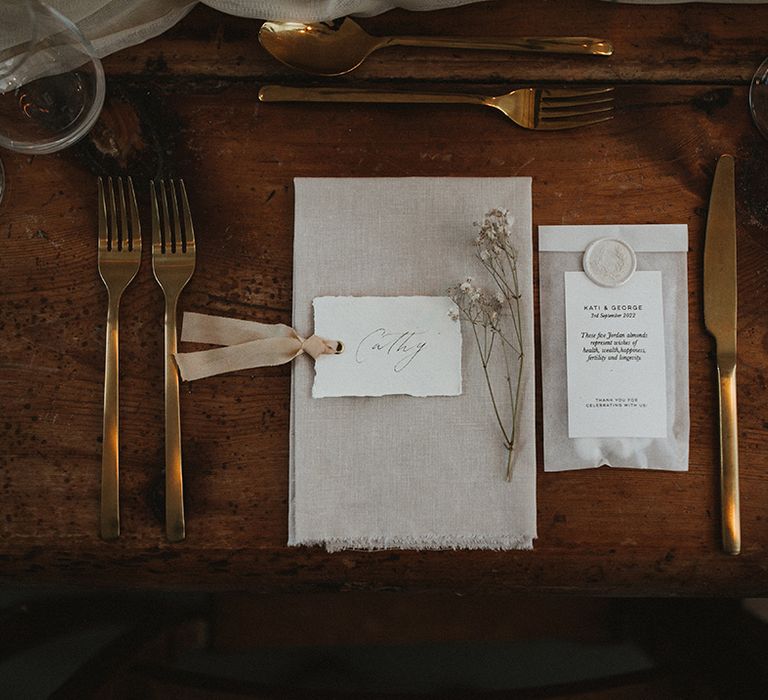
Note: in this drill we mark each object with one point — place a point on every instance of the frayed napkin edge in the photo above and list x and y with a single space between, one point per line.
447 542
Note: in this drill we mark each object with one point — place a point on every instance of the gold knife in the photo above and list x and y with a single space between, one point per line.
720 319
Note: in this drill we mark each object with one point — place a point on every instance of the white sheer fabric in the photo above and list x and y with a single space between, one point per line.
112 25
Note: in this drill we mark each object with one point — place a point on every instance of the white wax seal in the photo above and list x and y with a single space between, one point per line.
609 262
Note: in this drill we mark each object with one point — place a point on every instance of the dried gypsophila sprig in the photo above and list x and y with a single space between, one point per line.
495 319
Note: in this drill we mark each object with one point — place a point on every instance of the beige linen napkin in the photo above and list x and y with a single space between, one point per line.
398 471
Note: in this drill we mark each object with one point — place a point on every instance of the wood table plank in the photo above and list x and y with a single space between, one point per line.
703 43
600 531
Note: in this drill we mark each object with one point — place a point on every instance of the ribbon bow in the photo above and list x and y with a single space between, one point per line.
247 344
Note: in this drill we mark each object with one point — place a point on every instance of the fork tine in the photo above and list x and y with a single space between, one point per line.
557 93
546 113
178 242
114 234
575 101
157 238
189 229
103 237
556 124
169 245
124 235
135 230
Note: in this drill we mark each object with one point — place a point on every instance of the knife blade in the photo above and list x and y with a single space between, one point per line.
720 320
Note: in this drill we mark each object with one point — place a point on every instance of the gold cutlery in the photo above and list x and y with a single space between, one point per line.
336 48
173 262
119 259
531 108
720 319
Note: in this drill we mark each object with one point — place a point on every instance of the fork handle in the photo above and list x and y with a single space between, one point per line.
534 44
280 93
174 487
110 470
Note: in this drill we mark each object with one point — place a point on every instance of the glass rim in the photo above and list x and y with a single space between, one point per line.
25 46
58 143
760 73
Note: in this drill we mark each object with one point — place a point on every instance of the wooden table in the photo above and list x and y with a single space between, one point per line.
185 104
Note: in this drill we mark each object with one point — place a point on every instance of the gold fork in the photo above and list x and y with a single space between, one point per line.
531 108
173 262
119 259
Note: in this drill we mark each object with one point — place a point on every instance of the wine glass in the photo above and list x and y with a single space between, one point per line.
51 81
758 98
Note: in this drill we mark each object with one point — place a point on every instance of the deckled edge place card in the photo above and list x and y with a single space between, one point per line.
615 354
392 345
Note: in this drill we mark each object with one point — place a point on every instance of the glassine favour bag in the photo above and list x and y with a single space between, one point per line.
614 346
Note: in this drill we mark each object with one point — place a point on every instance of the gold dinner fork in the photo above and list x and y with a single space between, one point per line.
173 262
119 259
531 108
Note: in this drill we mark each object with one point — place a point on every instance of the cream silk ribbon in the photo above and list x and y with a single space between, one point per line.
246 344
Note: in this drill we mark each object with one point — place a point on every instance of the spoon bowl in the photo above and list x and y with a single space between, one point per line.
323 48
335 48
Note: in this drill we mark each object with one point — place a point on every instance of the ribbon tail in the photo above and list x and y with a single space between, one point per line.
268 352
220 330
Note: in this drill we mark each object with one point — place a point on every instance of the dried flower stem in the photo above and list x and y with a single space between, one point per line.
493 313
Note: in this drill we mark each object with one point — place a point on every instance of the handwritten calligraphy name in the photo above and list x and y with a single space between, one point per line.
404 346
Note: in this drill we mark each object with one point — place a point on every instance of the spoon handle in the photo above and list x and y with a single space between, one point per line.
541 44
279 93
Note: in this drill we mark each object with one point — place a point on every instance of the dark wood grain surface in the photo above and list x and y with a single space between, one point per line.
185 104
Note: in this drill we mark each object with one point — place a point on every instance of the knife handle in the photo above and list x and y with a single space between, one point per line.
729 460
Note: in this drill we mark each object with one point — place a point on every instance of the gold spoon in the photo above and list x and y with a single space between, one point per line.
335 48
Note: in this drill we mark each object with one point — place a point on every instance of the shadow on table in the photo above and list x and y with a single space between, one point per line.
377 645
